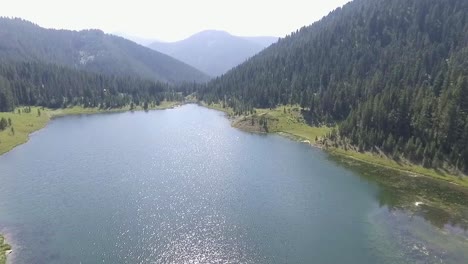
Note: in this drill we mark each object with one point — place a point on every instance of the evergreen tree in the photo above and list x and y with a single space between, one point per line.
3 123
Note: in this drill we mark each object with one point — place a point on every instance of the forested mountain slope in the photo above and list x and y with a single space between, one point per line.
33 83
90 50
392 73
214 52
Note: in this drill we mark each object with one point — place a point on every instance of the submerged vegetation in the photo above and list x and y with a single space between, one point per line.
4 248
438 202
424 202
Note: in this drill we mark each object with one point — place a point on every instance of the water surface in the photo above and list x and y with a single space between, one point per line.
182 186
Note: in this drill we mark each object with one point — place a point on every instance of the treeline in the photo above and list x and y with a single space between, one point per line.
47 85
391 74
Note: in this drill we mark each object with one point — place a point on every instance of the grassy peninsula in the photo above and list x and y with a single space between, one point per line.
285 120
288 121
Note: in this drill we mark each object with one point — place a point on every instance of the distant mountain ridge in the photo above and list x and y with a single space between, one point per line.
139 40
214 52
262 41
90 50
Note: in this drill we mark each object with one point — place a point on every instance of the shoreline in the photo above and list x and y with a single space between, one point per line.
242 123
409 169
31 123
51 114
408 173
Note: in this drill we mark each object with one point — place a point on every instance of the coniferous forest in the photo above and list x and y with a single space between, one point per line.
54 86
392 75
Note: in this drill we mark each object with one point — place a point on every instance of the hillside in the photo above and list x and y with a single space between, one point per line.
90 50
392 75
214 52
39 84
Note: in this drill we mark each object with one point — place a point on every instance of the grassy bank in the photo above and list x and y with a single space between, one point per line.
25 122
4 248
78 110
288 120
411 169
285 120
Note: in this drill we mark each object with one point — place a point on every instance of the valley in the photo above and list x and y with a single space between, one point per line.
277 135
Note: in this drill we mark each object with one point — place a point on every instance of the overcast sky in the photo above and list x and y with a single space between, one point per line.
172 20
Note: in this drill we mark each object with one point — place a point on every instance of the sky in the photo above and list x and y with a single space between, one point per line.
173 20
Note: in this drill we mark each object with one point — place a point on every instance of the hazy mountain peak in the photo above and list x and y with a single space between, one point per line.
212 32
139 40
214 51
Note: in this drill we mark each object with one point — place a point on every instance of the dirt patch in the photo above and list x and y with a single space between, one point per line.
249 124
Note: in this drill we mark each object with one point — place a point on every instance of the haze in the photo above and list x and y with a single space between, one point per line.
173 20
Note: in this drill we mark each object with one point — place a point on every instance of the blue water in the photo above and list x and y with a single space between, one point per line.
183 186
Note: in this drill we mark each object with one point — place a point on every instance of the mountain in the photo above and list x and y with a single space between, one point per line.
214 52
139 40
392 74
90 50
262 41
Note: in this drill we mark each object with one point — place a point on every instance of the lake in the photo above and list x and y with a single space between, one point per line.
183 186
